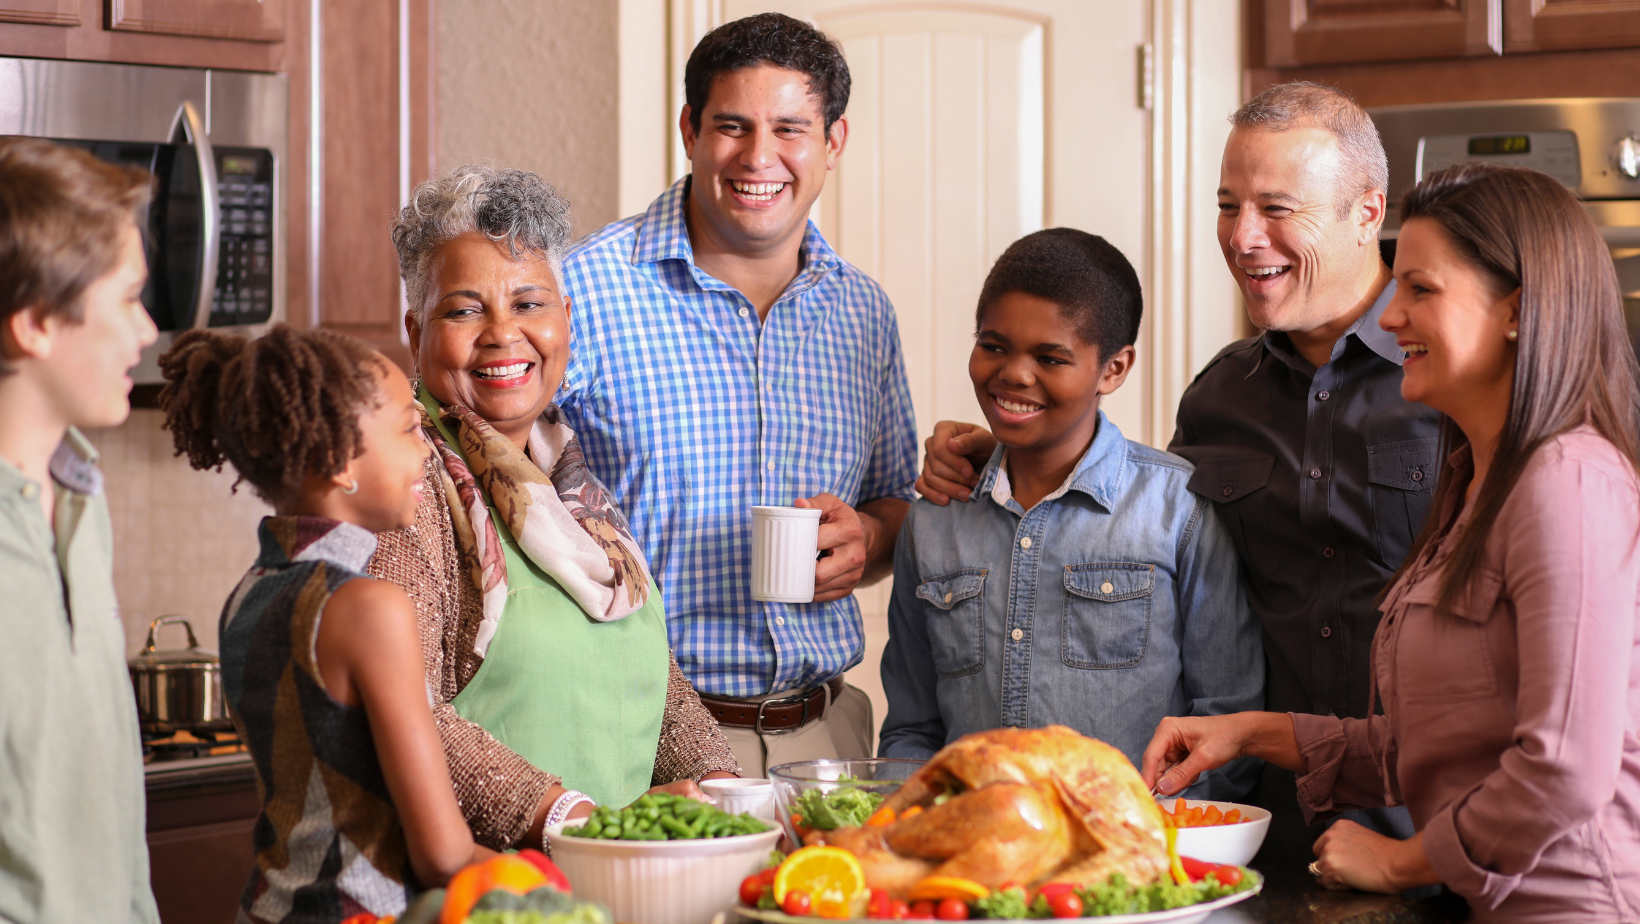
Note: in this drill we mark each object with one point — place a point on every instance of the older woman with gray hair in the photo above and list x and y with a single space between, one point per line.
545 639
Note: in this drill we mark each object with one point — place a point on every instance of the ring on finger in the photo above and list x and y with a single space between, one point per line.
1315 868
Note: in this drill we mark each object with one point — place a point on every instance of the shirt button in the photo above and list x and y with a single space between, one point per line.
780 620
1017 634
744 312
1025 543
1418 475
1328 551
30 491
1315 473
1228 490
1106 587
771 466
948 599
1323 395
1326 631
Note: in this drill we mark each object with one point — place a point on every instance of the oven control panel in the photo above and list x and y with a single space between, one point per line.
1552 152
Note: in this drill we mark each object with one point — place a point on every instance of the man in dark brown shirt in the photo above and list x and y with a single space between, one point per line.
1318 467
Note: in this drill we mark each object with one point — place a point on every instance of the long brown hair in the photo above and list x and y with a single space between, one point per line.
1573 363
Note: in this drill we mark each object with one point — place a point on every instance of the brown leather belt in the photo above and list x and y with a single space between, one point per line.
773 714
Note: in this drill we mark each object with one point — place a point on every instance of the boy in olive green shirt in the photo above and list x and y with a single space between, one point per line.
72 846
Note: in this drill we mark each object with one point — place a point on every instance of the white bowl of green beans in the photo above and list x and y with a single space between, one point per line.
663 859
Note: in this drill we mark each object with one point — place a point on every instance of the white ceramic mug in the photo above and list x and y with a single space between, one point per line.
785 543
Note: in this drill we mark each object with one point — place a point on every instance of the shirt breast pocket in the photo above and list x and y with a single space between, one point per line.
1400 482
1446 657
955 607
1228 477
1107 614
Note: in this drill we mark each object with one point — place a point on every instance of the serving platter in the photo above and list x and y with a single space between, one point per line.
1189 914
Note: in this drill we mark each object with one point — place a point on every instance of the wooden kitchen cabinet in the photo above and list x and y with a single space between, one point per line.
245 35
41 12
247 20
1302 32
1556 25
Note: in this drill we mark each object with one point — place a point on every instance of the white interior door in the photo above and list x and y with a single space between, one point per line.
969 128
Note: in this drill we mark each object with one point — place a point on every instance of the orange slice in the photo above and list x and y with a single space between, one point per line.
935 888
830 875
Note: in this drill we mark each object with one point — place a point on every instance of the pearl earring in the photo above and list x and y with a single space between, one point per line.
352 486
1512 334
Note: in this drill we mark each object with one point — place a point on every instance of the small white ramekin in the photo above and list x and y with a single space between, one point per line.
1233 844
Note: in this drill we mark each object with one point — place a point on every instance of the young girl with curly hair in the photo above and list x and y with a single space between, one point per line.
321 664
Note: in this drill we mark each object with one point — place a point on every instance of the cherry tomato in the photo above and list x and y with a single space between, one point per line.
1051 889
767 876
951 909
363 917
796 903
1227 875
751 889
1195 869
898 910
878 906
922 910
1065 905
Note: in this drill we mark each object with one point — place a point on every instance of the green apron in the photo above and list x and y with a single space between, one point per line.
577 698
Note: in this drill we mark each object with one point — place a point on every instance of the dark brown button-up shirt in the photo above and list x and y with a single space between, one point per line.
1322 477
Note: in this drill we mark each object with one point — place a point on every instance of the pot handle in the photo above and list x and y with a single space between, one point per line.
174 618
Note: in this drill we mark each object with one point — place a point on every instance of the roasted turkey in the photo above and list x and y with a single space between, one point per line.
1024 806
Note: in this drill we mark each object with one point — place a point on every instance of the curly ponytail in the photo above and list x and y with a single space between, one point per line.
278 408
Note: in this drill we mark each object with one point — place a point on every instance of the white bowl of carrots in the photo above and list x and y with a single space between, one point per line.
1217 832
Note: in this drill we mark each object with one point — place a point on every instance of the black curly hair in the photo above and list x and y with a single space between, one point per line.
1085 275
768 38
279 407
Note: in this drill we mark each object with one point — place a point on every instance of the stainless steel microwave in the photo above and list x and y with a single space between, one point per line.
216 143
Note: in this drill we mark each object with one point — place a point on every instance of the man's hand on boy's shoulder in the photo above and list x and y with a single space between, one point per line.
956 454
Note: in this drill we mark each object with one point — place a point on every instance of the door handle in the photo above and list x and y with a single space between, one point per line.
189 128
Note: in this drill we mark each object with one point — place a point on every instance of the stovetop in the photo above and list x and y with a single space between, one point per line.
190 748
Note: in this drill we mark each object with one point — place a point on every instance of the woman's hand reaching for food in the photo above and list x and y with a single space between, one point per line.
956 454
1185 747
1349 856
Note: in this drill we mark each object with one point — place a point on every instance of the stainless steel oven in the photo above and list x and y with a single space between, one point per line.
215 142
1592 145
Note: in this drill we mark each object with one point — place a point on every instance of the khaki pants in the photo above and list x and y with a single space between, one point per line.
844 731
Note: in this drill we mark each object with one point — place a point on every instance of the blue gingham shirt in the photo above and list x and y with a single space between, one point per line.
692 411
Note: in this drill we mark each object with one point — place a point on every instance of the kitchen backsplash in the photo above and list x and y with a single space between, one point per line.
182 539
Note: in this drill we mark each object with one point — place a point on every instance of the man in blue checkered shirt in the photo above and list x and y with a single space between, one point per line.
725 357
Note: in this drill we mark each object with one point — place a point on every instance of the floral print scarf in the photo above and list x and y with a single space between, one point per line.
558 512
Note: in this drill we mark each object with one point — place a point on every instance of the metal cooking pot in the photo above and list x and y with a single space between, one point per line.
178 689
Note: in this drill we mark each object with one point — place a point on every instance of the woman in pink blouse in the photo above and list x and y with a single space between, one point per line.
1505 660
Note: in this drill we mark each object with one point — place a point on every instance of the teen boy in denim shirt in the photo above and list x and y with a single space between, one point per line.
1087 586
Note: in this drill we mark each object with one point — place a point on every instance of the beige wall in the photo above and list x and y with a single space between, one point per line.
181 539
534 84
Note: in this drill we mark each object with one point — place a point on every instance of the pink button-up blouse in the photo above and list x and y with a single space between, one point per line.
1511 726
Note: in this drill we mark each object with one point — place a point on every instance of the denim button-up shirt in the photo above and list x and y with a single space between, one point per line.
1115 601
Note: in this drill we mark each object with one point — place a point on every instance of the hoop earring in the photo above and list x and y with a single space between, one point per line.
353 486
1511 335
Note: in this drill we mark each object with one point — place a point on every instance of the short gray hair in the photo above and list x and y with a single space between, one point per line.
503 204
1302 104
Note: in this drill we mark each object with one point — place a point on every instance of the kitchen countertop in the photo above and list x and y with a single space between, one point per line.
1292 896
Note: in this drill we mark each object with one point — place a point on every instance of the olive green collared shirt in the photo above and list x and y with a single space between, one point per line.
72 809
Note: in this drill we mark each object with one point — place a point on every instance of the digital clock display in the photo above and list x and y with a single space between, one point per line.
246 166
1500 144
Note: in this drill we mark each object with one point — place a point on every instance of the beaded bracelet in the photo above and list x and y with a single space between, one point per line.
560 809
